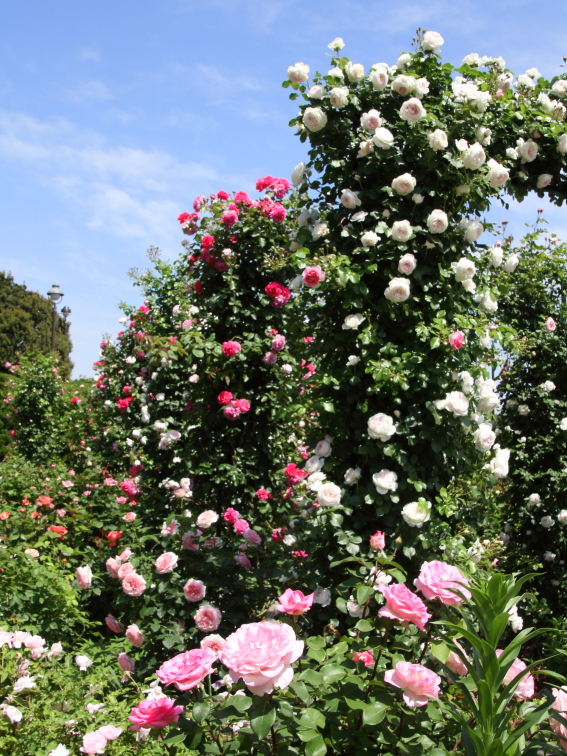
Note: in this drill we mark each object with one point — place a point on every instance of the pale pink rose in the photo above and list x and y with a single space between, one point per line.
207 618
407 264
188 669
188 542
207 518
133 584
261 653
242 560
412 111
214 643
525 688
34 642
19 637
113 624
418 683
241 526
166 562
56 649
155 714
378 541
456 339
278 342
252 537
126 554
455 663
550 325
125 569
171 529
32 552
436 579
135 636
194 590
313 276
270 358
110 732
367 657
294 602
84 577
126 663
403 605
93 742
129 517
560 705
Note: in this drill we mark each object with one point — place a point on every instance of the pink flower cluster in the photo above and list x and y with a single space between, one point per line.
294 474
278 293
95 742
232 407
231 348
279 186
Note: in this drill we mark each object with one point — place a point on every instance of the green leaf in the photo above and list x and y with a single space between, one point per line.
200 712
374 713
300 690
332 672
440 651
262 724
364 626
175 739
316 747
434 343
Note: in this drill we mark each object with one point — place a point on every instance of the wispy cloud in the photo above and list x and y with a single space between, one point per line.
89 53
89 90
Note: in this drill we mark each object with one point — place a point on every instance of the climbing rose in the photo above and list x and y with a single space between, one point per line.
133 584
207 618
436 579
113 624
367 657
230 348
456 339
194 590
550 325
155 714
231 515
261 653
313 276
277 293
378 541
188 669
403 605
84 577
134 635
294 602
214 643
166 562
93 742
418 683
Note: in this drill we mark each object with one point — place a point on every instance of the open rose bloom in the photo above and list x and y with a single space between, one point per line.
155 714
188 669
418 683
294 602
261 653
403 605
439 580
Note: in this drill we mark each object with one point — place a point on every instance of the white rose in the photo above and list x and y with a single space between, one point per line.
401 231
377 578
562 144
480 100
474 157
534 498
353 360
483 135
470 60
371 120
417 198
412 111
461 144
314 464
322 596
504 81
533 73
337 44
488 402
379 76
543 180
407 264
462 189
563 424
317 92
495 256
207 518
438 140
484 437
560 88
562 516
350 199
497 174
381 427
365 148
473 230
467 381
549 556
338 97
464 269
523 409
525 82
421 87
315 481
404 184
398 290
298 73
314 119
457 403
369 239
416 513
385 481
528 150
469 286
511 263
319 230
337 73
545 102
354 71
547 521
437 222
289 540
403 61
512 153
353 321
383 138
487 304
323 448
329 494
499 465
432 40
403 85
352 475
354 609
548 386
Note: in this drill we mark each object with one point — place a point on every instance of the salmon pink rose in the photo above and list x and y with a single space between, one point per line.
214 643
367 657
133 584
188 669
207 618
166 562
135 636
294 602
113 624
93 742
261 653
155 714
194 590
403 605
418 683
438 580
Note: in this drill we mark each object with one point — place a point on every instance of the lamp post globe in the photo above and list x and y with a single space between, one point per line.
55 295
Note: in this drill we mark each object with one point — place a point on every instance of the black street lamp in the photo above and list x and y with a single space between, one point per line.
66 311
56 295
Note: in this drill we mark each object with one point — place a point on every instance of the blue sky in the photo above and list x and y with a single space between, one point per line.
114 115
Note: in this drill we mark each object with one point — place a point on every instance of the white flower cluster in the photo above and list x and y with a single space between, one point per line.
328 494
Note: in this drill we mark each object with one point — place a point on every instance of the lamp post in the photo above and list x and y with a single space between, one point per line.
56 295
66 311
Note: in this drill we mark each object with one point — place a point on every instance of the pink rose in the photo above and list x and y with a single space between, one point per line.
56 649
378 541
525 689
129 517
242 405
199 202
241 526
231 515
188 669
261 653
418 683
135 636
367 657
126 554
166 562
93 742
230 348
550 325
113 624
110 732
436 579
313 275
207 618
294 602
456 339
188 542
455 663
242 560
230 217
171 529
403 605
231 412
155 714
125 569
194 590
560 705
278 343
270 358
207 518
84 577
133 584
214 643
126 663
252 537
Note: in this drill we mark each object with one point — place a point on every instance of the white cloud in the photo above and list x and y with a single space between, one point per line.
89 90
